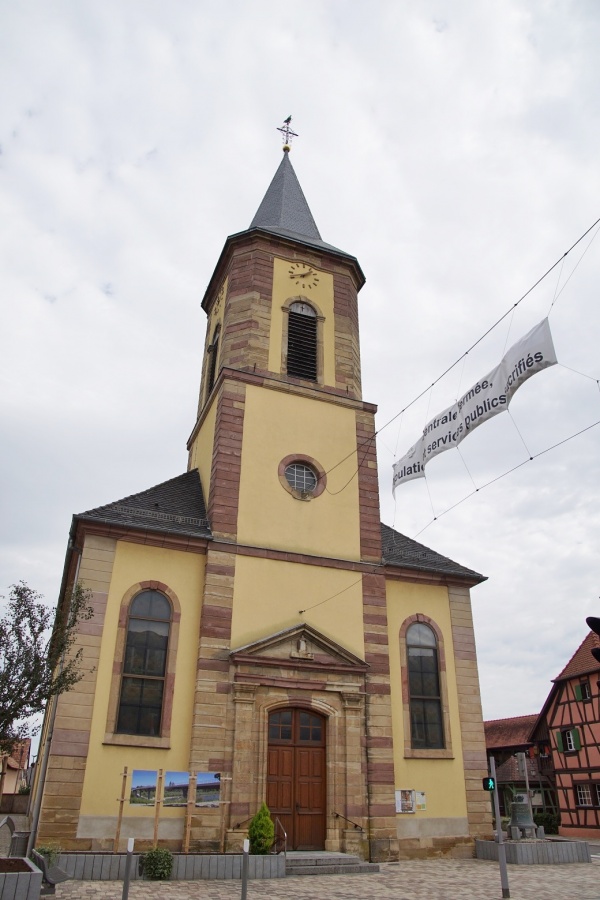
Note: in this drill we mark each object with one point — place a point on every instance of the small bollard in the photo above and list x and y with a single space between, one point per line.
128 861
245 868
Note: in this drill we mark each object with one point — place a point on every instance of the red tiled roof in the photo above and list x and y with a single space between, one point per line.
508 732
582 660
20 754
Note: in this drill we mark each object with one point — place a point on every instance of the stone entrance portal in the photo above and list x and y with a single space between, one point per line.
296 789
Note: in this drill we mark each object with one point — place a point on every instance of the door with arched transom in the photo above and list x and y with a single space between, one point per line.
296 788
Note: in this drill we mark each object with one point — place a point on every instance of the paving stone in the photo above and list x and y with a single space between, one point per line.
434 879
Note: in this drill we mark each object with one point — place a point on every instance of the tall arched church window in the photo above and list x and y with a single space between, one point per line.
302 341
144 665
426 722
213 359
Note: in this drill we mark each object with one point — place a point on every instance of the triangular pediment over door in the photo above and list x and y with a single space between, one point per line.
299 647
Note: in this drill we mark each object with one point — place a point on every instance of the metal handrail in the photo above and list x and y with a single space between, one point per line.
340 816
278 822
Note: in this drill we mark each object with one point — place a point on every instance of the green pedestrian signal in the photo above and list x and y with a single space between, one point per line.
489 784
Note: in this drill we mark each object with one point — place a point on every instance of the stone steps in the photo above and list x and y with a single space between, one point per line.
328 864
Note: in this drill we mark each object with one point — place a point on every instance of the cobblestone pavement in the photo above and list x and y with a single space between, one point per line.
414 880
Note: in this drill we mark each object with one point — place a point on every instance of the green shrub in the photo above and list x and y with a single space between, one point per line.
50 852
157 863
261 831
24 789
550 821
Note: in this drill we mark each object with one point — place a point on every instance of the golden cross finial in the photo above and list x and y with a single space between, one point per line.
288 134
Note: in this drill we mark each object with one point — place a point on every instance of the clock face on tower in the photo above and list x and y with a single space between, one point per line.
303 275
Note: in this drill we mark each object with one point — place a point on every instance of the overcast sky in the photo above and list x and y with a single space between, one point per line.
451 146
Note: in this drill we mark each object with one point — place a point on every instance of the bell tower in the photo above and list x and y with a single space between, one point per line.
285 447
282 315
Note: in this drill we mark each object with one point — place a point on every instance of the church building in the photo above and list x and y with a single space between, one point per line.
254 622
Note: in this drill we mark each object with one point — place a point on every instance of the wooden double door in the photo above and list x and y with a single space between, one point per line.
296 790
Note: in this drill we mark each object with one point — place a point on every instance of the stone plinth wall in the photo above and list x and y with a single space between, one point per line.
533 853
186 866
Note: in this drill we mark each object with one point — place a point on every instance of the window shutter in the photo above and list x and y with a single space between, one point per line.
578 694
576 738
559 742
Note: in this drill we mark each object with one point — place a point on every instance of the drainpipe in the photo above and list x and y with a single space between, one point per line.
36 802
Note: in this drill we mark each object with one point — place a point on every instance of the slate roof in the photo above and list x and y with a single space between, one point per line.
284 210
582 662
508 732
399 550
175 507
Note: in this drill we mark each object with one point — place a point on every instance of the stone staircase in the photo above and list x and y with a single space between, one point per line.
314 862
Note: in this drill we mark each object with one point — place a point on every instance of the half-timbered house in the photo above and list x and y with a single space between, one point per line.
572 711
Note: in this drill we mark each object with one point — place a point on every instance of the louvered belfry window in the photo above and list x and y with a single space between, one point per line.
302 342
212 363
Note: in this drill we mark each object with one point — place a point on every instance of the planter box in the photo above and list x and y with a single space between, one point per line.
536 853
186 866
14 803
21 885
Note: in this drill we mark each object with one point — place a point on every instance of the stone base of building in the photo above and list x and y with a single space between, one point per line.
436 847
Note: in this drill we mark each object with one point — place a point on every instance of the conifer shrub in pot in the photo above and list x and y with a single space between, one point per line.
261 831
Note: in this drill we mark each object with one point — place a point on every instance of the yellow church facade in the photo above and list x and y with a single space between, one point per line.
254 621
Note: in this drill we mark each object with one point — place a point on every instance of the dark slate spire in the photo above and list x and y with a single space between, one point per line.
284 213
284 208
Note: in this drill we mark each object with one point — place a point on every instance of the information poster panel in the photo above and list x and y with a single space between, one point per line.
208 789
176 788
143 787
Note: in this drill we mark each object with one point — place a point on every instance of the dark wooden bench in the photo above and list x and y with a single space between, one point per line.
51 875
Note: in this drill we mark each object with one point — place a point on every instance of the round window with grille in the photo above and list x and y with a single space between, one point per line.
302 476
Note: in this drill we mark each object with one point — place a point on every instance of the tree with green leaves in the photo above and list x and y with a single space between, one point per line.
38 660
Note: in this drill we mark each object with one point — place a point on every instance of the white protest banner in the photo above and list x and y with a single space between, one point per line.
486 398
410 466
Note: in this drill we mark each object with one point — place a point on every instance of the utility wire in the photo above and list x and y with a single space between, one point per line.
450 508
480 339
491 328
508 472
327 599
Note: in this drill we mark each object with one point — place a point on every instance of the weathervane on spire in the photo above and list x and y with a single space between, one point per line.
288 134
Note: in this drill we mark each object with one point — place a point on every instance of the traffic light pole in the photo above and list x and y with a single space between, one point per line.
501 847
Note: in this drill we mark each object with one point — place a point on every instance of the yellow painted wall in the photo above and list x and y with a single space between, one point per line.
321 296
441 779
202 448
276 425
183 573
269 594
